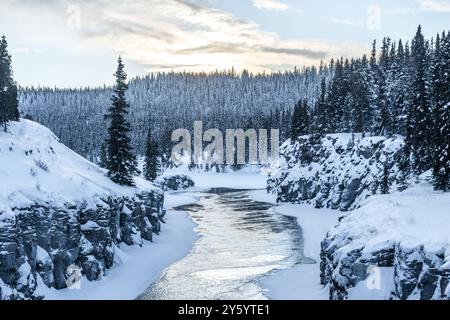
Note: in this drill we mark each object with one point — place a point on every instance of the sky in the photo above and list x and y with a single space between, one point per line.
75 43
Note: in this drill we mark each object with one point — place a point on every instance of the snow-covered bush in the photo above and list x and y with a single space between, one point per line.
174 182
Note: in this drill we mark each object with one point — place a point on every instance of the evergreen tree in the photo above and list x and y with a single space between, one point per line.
359 95
103 156
151 161
336 98
321 110
9 110
300 120
441 114
385 185
419 122
122 163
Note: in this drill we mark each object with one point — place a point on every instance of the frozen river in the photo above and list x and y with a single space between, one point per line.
241 240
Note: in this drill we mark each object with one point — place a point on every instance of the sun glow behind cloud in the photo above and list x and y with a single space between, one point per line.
176 35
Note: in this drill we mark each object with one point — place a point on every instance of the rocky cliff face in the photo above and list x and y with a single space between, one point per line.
42 243
338 171
60 216
393 247
416 272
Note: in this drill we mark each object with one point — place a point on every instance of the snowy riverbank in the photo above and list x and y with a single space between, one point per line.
138 267
303 281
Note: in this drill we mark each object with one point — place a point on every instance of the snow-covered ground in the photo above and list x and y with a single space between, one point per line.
40 169
303 281
138 267
248 178
416 221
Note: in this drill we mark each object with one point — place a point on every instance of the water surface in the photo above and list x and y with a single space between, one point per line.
240 241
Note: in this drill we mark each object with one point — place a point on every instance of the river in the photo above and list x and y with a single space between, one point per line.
241 241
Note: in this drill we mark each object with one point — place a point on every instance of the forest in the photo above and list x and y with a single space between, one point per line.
400 88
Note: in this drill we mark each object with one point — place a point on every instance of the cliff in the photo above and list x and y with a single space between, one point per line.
59 213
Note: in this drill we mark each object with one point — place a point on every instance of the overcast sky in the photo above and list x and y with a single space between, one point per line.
76 43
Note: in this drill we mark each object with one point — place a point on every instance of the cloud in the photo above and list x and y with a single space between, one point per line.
436 5
346 21
401 10
167 34
272 5
307 53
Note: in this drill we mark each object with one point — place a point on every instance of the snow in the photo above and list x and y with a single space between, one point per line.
369 290
301 282
42 170
340 171
251 177
136 267
402 217
89 226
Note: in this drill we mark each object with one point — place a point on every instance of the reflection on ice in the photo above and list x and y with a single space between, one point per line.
240 241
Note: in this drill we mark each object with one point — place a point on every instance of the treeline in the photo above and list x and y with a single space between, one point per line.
401 88
405 89
168 101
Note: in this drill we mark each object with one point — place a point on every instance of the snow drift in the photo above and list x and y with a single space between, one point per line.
405 235
59 211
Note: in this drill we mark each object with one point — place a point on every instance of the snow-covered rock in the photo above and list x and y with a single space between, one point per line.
337 171
58 210
174 182
401 238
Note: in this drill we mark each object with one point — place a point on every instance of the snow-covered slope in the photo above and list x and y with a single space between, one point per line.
59 211
35 167
337 171
401 238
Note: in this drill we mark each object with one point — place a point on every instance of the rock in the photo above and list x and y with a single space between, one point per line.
47 241
174 182
335 171
417 273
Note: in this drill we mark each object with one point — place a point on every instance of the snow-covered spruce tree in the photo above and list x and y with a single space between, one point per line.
151 161
398 89
385 184
359 104
419 121
122 163
300 120
441 113
103 156
336 99
320 124
9 110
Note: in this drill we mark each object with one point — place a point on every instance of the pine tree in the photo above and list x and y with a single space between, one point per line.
385 185
151 161
300 120
336 98
321 110
103 156
358 101
419 122
441 114
122 163
9 110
